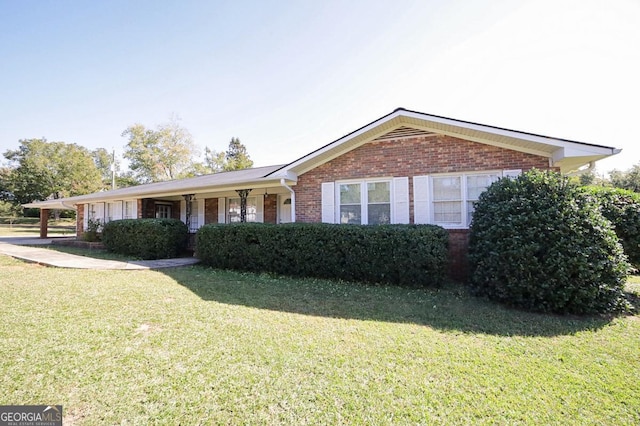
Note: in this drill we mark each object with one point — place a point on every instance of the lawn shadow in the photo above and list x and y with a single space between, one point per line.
450 309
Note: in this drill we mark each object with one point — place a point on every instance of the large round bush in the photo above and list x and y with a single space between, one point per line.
537 242
622 208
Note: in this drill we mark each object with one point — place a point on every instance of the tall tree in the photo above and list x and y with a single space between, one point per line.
43 170
158 155
237 157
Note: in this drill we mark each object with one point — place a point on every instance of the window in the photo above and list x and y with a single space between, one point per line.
453 197
193 219
163 211
234 210
110 212
128 209
365 202
447 199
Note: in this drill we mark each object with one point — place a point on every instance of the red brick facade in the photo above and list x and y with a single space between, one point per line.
211 210
270 208
410 157
79 220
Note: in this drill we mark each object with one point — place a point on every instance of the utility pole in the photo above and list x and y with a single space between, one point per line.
113 168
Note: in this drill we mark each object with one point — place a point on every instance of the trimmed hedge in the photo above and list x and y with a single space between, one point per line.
539 243
411 255
146 238
622 208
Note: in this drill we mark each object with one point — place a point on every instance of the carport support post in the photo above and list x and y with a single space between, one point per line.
44 222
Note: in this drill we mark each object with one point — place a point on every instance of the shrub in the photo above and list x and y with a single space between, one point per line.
414 255
92 233
146 238
537 242
622 208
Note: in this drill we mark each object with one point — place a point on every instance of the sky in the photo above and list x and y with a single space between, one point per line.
287 77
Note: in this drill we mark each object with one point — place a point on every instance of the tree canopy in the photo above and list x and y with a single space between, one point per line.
627 180
162 154
40 170
235 158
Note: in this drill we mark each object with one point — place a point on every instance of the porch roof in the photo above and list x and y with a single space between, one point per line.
239 179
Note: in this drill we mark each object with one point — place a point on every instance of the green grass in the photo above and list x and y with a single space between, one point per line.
87 252
199 346
30 226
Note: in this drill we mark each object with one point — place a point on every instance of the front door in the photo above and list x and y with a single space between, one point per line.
284 208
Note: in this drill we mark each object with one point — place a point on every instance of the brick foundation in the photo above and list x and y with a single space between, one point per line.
458 250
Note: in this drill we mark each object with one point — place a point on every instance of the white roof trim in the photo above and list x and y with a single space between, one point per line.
505 138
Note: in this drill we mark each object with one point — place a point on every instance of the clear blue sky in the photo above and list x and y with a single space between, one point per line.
289 77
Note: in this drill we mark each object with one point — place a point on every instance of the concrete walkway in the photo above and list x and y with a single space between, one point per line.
18 248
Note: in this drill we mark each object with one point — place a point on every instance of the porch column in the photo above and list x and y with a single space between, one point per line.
188 199
44 222
243 193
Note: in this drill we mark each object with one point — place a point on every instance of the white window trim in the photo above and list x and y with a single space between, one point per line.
259 199
364 197
429 202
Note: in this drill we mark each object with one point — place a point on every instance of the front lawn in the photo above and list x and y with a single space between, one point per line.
198 346
30 227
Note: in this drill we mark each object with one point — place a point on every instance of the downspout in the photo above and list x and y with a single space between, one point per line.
592 165
293 199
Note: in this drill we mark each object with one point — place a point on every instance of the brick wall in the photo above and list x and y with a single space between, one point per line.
414 156
270 208
410 157
211 210
458 249
175 210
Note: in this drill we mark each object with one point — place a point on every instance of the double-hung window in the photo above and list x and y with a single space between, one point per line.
366 203
448 199
234 210
128 210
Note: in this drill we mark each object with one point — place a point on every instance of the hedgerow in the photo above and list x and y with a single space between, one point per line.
411 255
538 242
146 238
622 208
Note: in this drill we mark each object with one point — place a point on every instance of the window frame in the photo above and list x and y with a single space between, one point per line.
228 209
167 206
465 214
364 198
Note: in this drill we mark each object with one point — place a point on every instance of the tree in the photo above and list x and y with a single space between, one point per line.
626 180
235 158
158 155
10 210
105 162
43 170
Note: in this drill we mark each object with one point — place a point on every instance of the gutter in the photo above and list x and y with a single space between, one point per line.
293 199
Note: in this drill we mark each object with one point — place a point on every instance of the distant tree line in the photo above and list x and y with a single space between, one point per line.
41 170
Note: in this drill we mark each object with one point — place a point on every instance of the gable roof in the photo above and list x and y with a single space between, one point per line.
566 154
